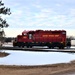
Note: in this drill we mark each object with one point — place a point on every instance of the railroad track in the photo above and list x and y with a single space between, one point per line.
71 50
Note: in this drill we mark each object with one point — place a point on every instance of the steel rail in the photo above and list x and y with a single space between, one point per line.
71 50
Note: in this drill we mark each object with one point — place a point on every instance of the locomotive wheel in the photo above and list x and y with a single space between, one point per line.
22 46
50 47
61 47
30 46
27 46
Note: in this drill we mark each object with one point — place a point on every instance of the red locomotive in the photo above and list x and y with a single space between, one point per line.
56 38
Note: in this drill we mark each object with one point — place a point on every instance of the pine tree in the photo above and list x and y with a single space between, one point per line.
3 23
5 11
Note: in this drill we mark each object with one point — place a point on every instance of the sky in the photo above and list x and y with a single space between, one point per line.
40 14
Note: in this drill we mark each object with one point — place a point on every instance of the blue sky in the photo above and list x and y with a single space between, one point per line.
40 14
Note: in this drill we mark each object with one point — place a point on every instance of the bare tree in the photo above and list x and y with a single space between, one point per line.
71 37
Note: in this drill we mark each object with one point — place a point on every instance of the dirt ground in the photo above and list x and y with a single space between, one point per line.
54 69
3 54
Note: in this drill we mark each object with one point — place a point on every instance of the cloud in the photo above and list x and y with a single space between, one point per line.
72 12
36 14
37 6
58 5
